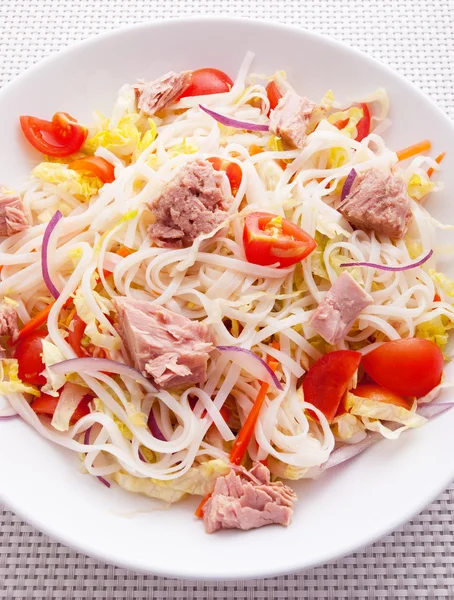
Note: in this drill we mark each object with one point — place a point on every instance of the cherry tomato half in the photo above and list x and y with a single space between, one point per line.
232 170
371 391
410 367
269 239
95 165
328 379
207 81
273 93
60 137
76 332
363 126
46 405
28 354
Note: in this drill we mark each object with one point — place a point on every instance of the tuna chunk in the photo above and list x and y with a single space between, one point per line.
378 201
339 309
167 347
8 323
290 118
158 94
12 215
190 204
248 500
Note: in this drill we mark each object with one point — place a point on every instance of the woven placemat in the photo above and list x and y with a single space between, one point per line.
415 37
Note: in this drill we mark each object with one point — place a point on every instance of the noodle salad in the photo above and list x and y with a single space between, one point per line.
223 286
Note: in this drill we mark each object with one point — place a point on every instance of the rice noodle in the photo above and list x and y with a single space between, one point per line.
245 304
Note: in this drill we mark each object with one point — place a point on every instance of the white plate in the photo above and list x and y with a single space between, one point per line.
339 513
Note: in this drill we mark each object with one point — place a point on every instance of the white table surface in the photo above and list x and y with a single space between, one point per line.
415 38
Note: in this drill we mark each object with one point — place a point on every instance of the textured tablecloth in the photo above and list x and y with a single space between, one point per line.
417 39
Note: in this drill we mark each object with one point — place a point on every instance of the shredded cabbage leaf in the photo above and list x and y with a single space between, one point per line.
419 187
443 283
348 428
9 379
80 185
280 469
197 481
372 413
96 336
123 139
435 330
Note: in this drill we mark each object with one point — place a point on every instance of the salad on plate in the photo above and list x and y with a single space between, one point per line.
222 288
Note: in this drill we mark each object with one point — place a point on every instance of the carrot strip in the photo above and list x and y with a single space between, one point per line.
418 148
254 149
38 320
244 437
199 510
123 251
438 160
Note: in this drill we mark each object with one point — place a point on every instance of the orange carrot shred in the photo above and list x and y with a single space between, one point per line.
38 320
199 510
123 251
254 149
244 437
438 160
418 148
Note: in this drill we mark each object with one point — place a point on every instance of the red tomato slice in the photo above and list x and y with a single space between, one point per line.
95 165
207 81
273 93
46 405
363 126
269 239
328 379
410 367
232 170
374 392
28 354
76 332
60 137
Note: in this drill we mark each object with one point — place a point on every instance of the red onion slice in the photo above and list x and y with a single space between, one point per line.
103 480
7 412
44 260
229 122
86 442
418 263
255 365
429 411
348 184
154 427
348 451
93 365
8 417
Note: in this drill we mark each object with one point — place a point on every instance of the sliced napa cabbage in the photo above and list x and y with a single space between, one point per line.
95 333
52 355
372 414
435 330
9 379
184 148
197 481
123 138
328 99
353 114
79 185
284 471
69 400
443 283
419 186
317 262
338 156
348 428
